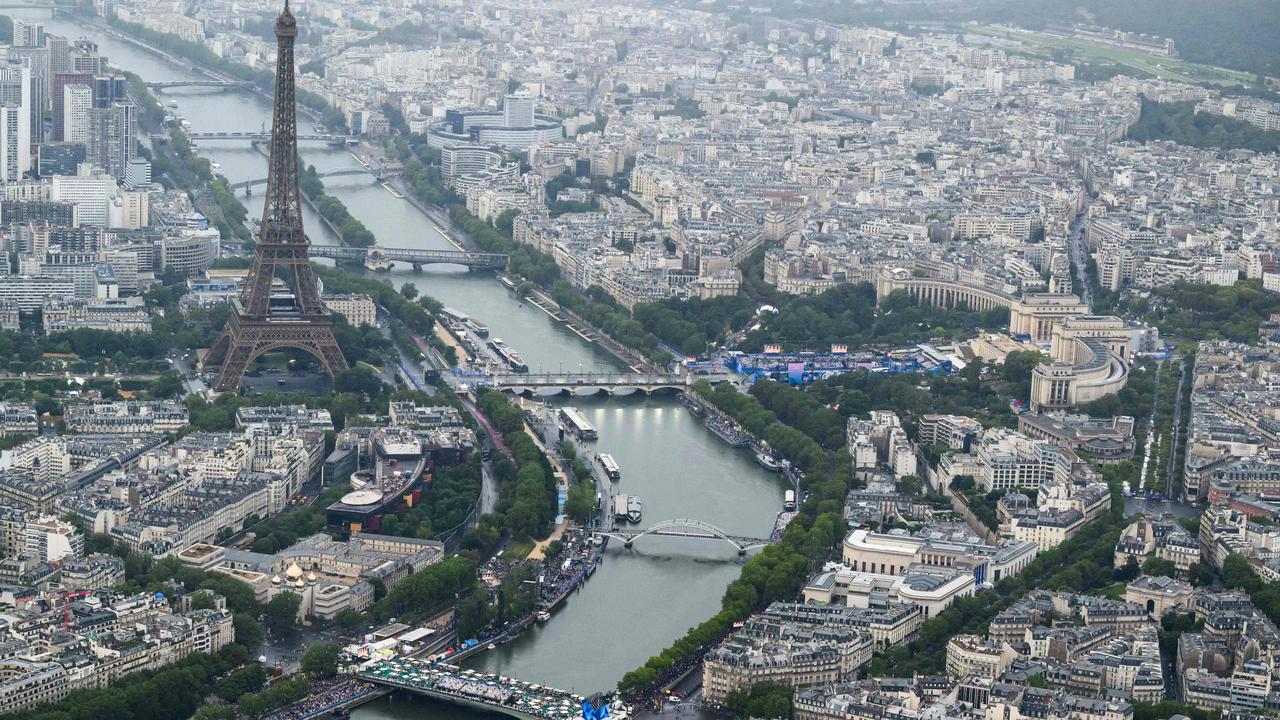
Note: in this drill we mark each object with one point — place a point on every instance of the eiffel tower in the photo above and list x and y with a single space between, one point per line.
255 327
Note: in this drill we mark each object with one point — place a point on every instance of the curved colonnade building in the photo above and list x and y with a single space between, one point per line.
1091 353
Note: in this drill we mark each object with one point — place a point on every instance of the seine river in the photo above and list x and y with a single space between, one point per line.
640 600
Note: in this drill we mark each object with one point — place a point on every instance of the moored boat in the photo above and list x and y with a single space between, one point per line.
768 462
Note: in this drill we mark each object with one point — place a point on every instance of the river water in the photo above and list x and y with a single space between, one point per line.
640 600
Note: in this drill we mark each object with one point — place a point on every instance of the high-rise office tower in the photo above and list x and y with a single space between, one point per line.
37 58
58 96
109 89
77 101
27 32
517 111
15 82
15 143
111 133
15 120
85 58
59 54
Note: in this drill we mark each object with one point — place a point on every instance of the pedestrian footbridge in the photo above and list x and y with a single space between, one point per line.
688 529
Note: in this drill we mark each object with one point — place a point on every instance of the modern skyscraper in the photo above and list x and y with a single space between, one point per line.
15 143
15 120
109 89
85 58
517 111
27 33
58 96
111 132
77 101
59 62
37 58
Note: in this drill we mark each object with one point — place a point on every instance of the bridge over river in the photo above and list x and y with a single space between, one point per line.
476 690
689 529
376 174
166 84
592 383
265 136
416 258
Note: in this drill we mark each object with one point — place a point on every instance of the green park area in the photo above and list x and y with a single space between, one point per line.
1098 54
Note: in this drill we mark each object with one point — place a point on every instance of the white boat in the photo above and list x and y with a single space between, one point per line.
633 508
768 462
377 264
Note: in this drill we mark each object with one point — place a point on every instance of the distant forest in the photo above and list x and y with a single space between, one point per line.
1238 34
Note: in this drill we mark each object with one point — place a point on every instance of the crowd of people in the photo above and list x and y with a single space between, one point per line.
655 695
729 430
780 525
567 570
327 696
468 687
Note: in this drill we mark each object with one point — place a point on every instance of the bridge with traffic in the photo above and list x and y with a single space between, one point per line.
688 529
265 136
168 84
591 383
416 258
376 174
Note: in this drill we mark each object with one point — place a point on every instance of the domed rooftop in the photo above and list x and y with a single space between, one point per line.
362 497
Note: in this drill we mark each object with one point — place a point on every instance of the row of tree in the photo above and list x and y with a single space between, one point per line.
352 231
527 492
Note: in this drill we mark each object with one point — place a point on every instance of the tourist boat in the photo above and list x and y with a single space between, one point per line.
478 328
377 265
507 282
768 462
509 356
543 616
633 508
